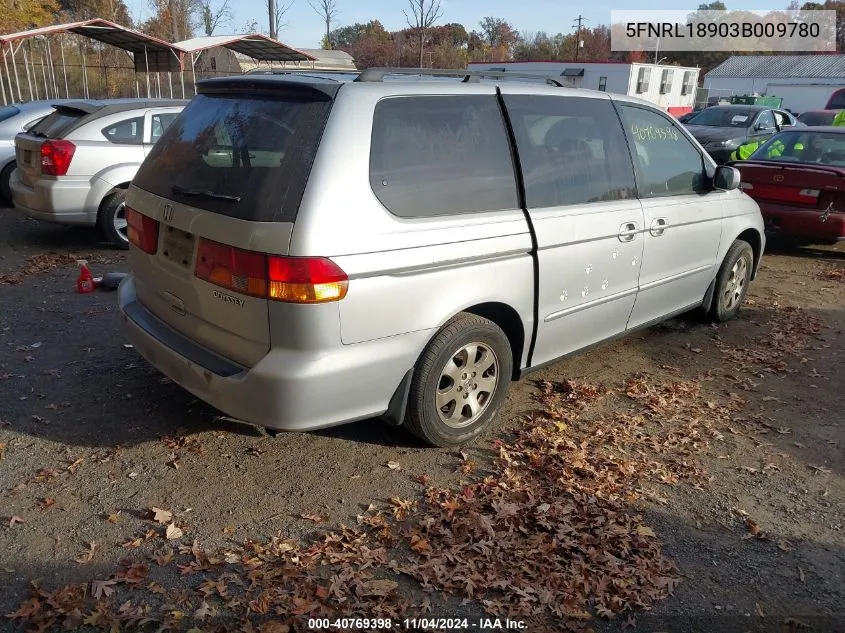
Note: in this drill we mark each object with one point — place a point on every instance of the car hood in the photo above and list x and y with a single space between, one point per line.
708 134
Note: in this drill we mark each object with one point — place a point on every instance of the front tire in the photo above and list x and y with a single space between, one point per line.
112 219
732 281
459 382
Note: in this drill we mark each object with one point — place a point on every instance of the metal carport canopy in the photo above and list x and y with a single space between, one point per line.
150 53
255 45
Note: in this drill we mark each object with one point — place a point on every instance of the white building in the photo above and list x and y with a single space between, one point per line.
671 87
805 82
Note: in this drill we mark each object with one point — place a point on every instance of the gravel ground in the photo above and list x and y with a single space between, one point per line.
92 437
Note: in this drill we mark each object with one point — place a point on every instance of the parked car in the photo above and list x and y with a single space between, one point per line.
800 187
74 165
721 129
328 251
818 117
685 118
16 118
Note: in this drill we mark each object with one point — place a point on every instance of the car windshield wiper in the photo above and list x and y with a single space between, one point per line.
203 193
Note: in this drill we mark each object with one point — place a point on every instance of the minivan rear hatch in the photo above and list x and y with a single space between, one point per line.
224 183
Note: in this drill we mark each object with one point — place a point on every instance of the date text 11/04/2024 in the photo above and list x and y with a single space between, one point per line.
423 624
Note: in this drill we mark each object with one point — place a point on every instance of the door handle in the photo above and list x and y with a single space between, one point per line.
658 226
627 232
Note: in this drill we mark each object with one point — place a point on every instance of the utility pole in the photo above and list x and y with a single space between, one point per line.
271 5
577 24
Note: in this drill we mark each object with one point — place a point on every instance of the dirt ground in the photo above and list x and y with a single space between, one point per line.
720 449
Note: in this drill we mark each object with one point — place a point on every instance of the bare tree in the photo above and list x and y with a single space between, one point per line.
327 10
277 9
425 13
214 17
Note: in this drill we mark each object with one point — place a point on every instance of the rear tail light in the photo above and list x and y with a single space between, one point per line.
306 280
56 156
142 231
289 279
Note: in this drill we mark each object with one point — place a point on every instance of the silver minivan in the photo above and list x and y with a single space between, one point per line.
311 251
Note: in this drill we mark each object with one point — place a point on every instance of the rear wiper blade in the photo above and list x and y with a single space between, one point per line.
203 193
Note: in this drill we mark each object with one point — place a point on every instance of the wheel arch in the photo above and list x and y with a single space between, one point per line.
753 237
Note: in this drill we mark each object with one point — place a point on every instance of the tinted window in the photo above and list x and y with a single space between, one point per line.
804 147
725 117
817 118
129 131
56 123
667 163
837 100
8 112
257 150
766 120
441 155
159 123
572 150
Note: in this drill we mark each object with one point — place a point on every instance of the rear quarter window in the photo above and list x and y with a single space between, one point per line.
439 155
126 132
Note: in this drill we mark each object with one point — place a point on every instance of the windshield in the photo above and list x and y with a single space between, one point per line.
825 148
247 157
817 118
724 117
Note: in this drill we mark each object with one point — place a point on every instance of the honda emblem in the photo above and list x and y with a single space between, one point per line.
778 178
167 214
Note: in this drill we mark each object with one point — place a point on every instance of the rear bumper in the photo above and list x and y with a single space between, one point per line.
62 201
801 222
290 390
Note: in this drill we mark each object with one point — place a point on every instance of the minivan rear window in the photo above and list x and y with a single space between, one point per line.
54 125
244 156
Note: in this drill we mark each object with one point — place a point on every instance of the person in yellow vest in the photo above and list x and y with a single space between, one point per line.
775 149
839 119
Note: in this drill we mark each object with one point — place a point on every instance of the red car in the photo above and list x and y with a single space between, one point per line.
798 179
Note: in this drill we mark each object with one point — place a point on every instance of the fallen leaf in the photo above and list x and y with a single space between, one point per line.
163 559
800 574
643 530
820 469
228 530
114 517
785 546
316 518
394 465
203 611
759 610
100 588
47 502
377 587
161 516
72 466
753 527
172 532
85 557
15 519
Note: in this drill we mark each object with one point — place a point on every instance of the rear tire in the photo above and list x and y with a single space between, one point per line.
111 219
5 183
732 281
466 370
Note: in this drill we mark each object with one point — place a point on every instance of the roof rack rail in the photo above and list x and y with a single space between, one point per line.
469 76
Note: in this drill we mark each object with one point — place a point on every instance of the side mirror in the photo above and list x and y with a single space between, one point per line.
727 178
